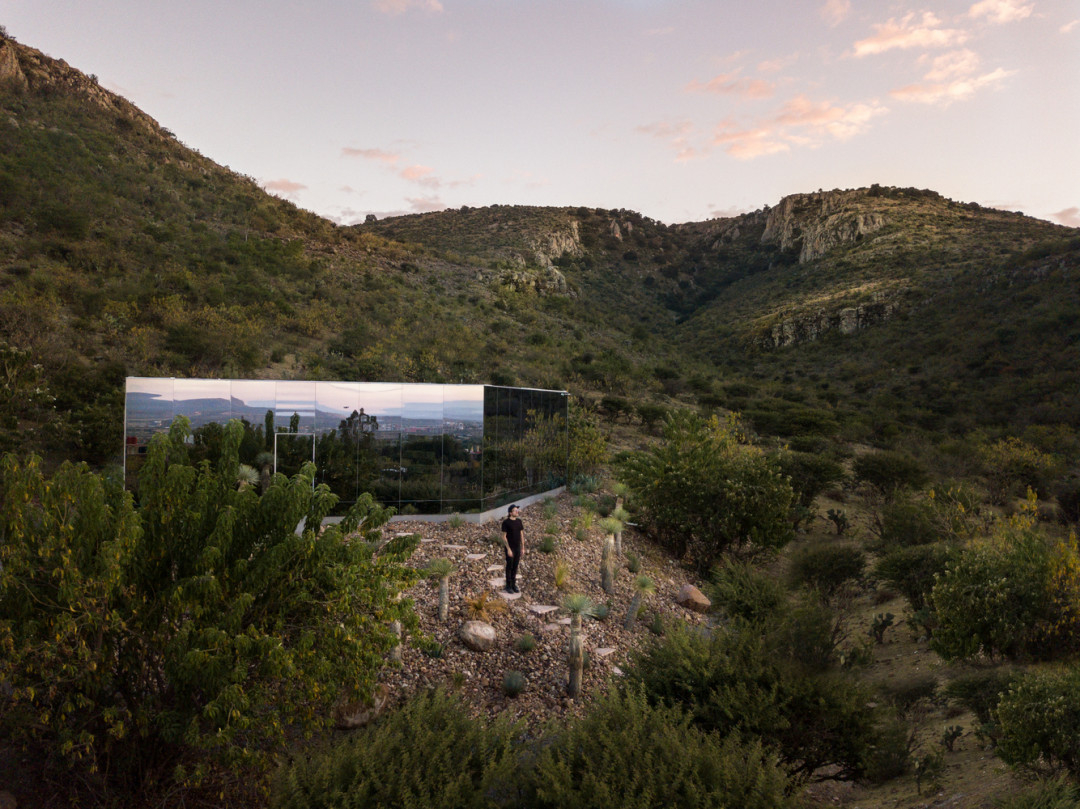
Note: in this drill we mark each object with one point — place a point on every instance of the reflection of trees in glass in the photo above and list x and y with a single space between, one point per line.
528 455
347 459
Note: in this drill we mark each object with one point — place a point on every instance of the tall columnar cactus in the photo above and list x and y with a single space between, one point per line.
643 586
578 606
442 569
611 528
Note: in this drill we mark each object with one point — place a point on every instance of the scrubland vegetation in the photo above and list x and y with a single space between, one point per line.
884 517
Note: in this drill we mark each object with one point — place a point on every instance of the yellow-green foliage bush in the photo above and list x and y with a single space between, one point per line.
1015 594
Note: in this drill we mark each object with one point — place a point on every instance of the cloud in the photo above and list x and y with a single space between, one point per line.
371 154
1070 217
909 33
945 93
1069 26
401 6
726 213
733 84
835 12
421 175
778 64
677 134
1001 11
286 187
953 64
425 204
800 122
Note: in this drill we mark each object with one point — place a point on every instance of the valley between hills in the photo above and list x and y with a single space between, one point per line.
907 363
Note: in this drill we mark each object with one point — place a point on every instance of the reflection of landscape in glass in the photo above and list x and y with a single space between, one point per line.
419 447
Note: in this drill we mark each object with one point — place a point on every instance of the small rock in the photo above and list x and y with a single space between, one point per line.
604 651
693 599
477 635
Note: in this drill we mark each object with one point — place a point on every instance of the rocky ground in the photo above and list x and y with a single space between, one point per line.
477 552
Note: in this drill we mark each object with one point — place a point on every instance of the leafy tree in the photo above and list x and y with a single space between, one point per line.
198 628
1011 465
1015 594
704 490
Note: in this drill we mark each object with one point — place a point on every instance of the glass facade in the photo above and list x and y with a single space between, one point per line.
421 448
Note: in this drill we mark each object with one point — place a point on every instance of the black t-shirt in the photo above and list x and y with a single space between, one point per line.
513 529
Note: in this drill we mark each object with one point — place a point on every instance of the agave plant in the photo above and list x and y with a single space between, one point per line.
246 476
442 569
577 605
643 586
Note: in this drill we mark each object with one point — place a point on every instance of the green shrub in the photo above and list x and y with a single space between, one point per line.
455 520
912 570
1053 793
742 591
889 756
888 472
548 544
430 753
1039 721
513 683
526 642
702 490
980 691
904 692
1011 466
827 567
810 475
633 563
625 753
807 632
1011 595
732 680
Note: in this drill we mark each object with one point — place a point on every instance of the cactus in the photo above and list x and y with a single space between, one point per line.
442 569
578 606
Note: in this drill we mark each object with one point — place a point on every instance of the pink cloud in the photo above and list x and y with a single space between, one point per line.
283 186
425 204
726 213
401 6
1001 11
776 65
945 93
678 134
835 12
800 122
909 33
1069 26
953 64
733 84
371 154
1070 217
419 174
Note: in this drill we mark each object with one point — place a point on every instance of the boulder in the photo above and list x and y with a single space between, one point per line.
477 635
352 715
693 599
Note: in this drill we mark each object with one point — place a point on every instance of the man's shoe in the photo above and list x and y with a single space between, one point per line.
514 588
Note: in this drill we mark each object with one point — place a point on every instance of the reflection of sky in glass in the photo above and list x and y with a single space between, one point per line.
334 401
296 397
259 394
140 384
463 403
422 401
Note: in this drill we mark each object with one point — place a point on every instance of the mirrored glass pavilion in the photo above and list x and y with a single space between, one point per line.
421 448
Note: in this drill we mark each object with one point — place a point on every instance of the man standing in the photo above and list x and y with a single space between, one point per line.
513 531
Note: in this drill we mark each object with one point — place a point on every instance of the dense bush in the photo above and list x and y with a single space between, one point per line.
735 680
429 754
1053 793
980 692
827 566
1039 722
704 490
1011 466
744 592
888 472
627 753
197 628
911 570
1015 594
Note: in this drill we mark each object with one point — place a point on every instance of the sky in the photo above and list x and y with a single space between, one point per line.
681 110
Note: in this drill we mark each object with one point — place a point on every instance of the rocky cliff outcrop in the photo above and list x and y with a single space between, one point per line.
815 223
808 325
556 244
28 69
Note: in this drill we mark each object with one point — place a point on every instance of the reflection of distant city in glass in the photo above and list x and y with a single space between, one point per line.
418 447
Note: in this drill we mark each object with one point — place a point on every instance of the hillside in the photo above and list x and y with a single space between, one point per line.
852 312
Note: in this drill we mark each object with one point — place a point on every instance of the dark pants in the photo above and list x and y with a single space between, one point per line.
511 567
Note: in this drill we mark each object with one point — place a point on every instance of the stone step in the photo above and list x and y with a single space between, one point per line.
604 651
472 557
542 609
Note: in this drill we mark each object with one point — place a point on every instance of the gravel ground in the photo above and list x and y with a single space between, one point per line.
478 676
